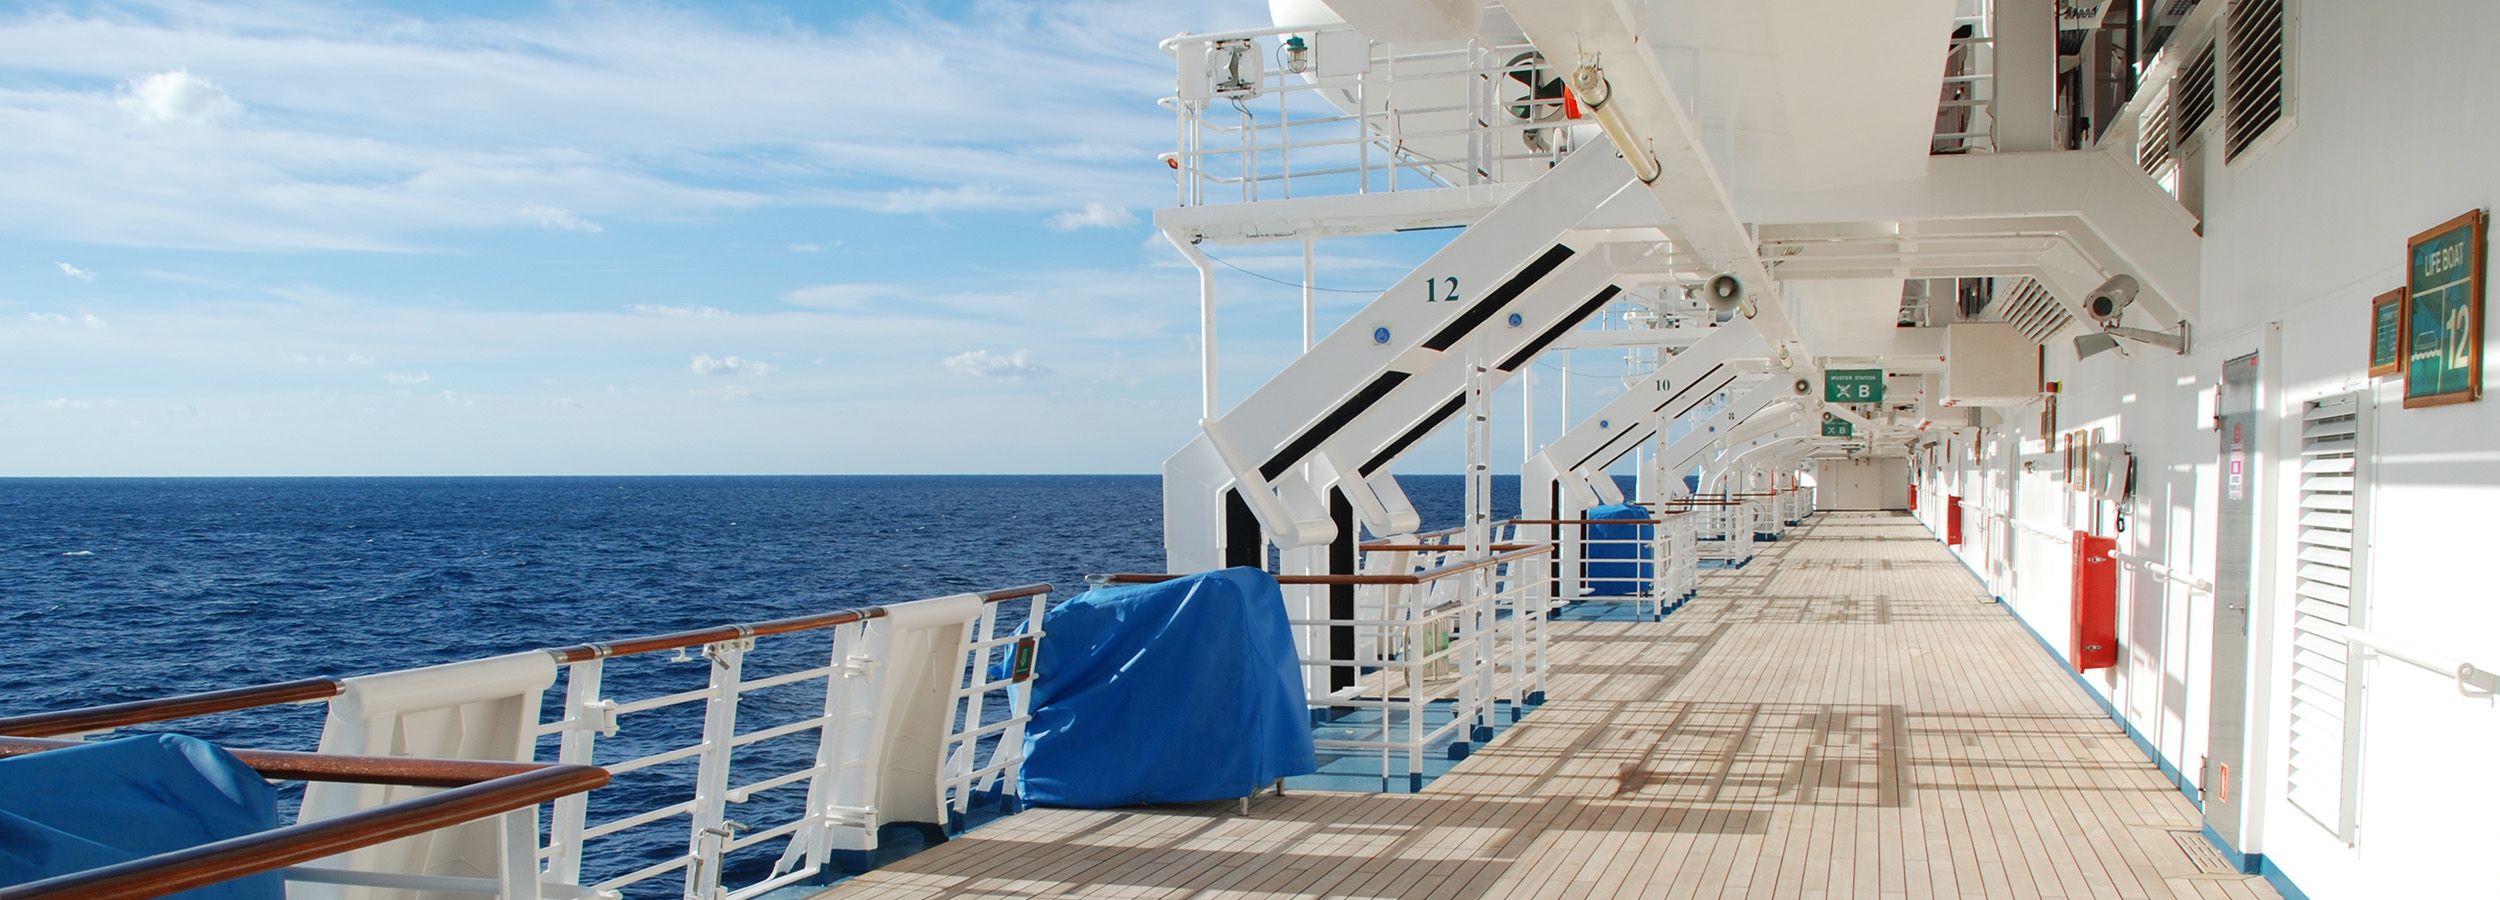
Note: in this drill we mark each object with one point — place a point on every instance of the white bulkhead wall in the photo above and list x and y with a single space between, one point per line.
2390 121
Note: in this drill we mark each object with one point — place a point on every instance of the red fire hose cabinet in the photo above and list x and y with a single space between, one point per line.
2093 642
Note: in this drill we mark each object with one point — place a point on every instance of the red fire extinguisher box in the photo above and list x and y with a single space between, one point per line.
1953 521
2093 642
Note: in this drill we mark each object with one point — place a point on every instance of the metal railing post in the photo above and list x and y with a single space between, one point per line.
586 717
711 829
516 836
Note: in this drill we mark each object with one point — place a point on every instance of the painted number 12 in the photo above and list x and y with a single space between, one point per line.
1433 290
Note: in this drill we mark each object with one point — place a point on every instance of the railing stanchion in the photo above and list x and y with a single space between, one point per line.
585 716
711 829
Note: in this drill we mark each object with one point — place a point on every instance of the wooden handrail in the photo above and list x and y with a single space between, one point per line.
1430 548
138 712
1425 576
1592 522
719 633
477 788
165 709
296 766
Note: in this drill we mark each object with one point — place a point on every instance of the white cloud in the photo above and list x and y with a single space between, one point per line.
809 247
175 96
352 359
76 272
374 128
733 393
681 312
1095 215
731 365
65 403
982 362
398 378
87 319
556 219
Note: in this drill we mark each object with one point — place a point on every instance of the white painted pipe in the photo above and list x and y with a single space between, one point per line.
1206 323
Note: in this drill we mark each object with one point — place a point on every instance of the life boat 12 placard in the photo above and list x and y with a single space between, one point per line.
2444 312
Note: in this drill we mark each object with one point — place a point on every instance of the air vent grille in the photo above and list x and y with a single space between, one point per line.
2033 311
2253 76
2153 144
2326 597
2194 93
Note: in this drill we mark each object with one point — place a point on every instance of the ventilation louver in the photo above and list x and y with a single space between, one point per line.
2031 310
2152 141
2252 50
2325 719
2194 93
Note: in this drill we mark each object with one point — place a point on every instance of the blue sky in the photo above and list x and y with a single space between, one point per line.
323 239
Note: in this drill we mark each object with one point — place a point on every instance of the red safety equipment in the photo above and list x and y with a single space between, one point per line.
2093 642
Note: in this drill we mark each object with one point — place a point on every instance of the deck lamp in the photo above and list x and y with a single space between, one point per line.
1589 82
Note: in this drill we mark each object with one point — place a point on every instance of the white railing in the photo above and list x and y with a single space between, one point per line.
1277 113
2472 680
828 712
800 736
1726 529
1433 635
1966 110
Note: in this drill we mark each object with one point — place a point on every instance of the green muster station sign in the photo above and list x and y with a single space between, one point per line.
1853 386
1835 426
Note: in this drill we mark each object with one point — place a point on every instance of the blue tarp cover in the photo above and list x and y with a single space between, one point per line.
1612 542
1176 692
68 810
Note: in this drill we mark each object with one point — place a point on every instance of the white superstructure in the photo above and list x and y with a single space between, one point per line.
1937 189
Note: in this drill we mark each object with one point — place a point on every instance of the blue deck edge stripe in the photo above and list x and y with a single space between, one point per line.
2248 863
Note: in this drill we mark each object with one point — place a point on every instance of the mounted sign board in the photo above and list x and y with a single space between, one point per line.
2387 333
2444 313
1835 426
1853 386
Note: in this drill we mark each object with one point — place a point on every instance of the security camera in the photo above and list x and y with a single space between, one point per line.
1725 291
2108 301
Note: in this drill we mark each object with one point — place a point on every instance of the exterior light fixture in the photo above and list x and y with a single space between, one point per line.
1589 82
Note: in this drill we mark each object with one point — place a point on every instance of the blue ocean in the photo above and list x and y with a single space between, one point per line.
125 589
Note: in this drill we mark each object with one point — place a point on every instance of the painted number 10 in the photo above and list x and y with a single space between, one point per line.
1434 290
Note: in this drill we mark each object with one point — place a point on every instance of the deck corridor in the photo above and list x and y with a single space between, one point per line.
1846 717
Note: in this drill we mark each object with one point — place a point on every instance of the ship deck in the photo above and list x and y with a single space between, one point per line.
1848 716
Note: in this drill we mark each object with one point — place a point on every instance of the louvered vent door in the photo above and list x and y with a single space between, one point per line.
2325 722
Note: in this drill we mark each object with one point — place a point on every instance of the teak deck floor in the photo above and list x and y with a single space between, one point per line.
1848 716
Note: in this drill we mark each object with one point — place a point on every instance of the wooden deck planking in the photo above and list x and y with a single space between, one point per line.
1847 717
